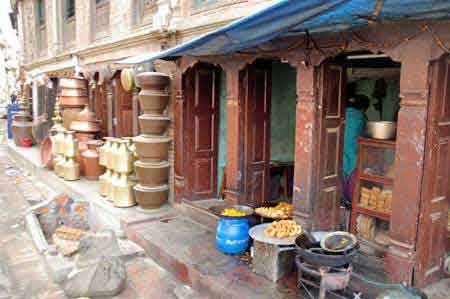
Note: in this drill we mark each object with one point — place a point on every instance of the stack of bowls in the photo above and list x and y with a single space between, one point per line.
73 96
152 146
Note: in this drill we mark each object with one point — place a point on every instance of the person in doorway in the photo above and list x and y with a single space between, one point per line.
355 123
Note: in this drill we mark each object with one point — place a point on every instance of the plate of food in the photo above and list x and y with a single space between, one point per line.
282 232
282 210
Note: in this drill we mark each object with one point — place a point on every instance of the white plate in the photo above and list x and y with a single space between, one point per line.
257 234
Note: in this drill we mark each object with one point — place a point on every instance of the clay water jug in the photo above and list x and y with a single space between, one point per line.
90 158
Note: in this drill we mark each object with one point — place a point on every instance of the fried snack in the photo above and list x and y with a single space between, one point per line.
281 211
233 213
283 229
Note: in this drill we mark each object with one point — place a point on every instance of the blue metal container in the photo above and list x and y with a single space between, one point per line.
232 234
12 110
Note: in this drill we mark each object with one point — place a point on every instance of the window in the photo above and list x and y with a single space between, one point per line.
41 12
98 2
70 9
144 11
100 19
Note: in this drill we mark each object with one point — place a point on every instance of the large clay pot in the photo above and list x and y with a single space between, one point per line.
152 174
74 102
22 130
86 121
79 83
69 115
152 149
153 81
90 157
152 102
72 92
153 124
151 197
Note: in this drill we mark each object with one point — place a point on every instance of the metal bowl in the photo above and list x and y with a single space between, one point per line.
338 242
381 129
246 209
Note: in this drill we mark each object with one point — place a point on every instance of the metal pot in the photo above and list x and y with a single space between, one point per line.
381 129
153 124
151 197
152 174
152 149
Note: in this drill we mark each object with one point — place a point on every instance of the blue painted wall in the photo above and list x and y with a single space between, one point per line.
222 151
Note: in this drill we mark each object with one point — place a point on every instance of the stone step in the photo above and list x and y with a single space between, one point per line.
200 211
188 250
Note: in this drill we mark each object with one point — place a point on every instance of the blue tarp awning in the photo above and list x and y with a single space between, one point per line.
294 17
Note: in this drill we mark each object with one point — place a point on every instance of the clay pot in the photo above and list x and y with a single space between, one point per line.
46 153
153 81
152 174
72 83
152 149
90 157
69 115
152 102
75 101
22 130
73 92
153 124
151 197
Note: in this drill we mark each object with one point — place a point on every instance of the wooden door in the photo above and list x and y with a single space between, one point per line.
256 81
436 184
201 86
101 108
330 146
123 109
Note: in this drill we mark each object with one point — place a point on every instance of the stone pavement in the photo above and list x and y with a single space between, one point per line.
22 269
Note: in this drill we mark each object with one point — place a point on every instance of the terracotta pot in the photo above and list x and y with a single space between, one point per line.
72 83
46 153
22 130
69 115
26 142
86 121
153 81
153 102
153 124
151 197
152 174
73 92
90 158
73 101
152 149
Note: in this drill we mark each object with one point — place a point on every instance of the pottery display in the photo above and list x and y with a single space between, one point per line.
105 183
124 158
122 188
103 151
74 82
46 153
152 149
70 144
151 197
90 158
86 121
71 169
153 102
69 115
152 174
22 125
153 124
59 161
153 81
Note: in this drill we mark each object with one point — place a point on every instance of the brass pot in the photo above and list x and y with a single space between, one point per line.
151 197
69 115
152 149
152 174
90 158
78 101
71 170
72 83
153 81
153 124
152 102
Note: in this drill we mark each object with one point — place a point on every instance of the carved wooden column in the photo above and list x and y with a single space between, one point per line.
135 111
305 140
234 172
109 103
179 113
409 166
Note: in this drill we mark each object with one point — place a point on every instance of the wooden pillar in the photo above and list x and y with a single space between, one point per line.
234 172
179 113
409 166
305 133
109 104
135 111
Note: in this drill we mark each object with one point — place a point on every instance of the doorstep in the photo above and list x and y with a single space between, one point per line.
105 215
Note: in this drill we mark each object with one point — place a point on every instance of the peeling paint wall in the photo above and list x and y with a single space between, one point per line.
282 124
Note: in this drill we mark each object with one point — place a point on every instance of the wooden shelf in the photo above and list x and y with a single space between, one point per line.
373 213
376 179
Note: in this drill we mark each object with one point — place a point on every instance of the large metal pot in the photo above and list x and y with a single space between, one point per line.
381 129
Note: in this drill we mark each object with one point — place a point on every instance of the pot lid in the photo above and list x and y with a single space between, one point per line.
160 164
139 187
153 117
151 139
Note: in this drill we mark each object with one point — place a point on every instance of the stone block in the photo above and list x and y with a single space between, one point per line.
273 261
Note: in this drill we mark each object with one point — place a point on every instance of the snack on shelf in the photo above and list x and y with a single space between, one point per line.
365 226
376 199
281 211
283 229
233 213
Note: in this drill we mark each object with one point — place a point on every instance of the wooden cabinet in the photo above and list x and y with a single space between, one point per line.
372 194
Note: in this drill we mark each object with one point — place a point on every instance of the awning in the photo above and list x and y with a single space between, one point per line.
295 17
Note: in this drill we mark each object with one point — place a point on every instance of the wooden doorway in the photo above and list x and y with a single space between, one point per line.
202 88
256 95
101 108
123 109
432 232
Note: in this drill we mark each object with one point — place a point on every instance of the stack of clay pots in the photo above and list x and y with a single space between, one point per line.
73 96
22 125
152 146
